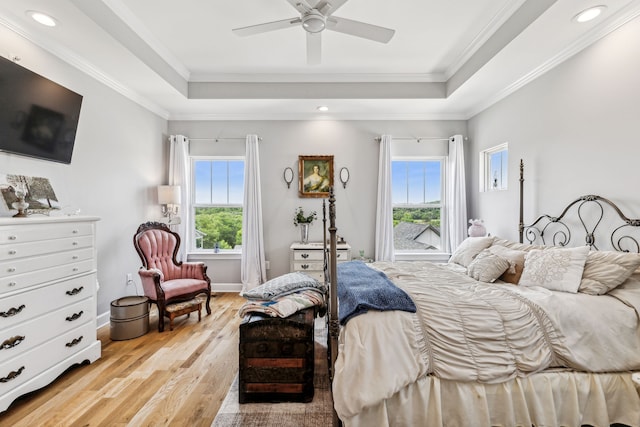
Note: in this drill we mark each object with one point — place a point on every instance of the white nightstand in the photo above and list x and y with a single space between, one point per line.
308 258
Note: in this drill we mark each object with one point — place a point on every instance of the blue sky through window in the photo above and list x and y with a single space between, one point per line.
219 182
416 181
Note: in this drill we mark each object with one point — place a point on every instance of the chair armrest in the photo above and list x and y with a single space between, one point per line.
151 280
193 270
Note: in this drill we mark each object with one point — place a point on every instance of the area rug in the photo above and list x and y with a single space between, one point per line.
317 413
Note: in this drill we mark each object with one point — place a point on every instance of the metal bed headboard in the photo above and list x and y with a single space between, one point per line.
594 217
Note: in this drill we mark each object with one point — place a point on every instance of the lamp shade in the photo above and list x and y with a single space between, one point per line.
169 194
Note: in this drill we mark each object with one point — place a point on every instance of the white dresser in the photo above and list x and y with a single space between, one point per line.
309 258
48 290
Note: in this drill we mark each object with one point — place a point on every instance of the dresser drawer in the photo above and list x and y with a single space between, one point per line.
27 365
305 266
25 265
27 305
21 281
40 232
26 335
300 255
20 250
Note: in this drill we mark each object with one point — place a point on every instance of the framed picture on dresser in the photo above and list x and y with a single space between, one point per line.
315 174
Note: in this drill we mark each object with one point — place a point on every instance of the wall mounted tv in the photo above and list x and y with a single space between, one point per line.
38 117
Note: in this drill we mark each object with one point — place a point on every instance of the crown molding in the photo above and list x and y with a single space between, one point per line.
318 78
354 116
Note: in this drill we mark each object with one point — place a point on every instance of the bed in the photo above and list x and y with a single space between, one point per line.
559 349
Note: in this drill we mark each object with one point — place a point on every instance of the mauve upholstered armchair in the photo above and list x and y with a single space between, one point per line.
164 279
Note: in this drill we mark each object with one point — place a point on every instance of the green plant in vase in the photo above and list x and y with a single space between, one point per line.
304 221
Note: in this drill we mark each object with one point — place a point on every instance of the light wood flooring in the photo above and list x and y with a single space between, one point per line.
173 378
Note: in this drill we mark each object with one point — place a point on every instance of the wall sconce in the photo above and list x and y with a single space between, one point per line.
288 176
169 199
344 177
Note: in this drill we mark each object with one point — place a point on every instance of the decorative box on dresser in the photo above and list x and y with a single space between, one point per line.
48 290
309 258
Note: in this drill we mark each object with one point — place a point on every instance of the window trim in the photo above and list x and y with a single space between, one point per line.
485 168
418 255
208 253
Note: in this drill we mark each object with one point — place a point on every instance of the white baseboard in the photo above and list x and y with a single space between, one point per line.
226 287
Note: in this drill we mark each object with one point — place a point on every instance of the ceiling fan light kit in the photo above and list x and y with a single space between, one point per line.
314 20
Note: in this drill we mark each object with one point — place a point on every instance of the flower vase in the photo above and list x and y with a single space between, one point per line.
304 232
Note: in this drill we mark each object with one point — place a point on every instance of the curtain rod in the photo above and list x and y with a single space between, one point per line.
220 138
416 138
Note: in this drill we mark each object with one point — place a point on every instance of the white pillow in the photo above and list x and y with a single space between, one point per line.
557 269
605 270
487 267
469 248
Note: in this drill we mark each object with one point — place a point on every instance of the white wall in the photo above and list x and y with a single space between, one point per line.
118 160
576 128
353 146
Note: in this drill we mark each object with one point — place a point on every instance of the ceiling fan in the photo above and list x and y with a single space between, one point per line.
317 18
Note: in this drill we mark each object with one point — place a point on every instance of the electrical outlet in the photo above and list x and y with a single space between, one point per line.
129 278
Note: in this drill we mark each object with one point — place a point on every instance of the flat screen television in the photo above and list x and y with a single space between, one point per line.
38 117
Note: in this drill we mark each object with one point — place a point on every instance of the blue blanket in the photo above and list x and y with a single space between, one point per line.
361 289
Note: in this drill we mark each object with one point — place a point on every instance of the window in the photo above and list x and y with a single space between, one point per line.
494 168
417 188
218 194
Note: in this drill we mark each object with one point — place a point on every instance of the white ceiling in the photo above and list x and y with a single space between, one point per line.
447 60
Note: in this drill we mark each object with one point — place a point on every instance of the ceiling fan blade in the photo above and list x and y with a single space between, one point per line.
314 48
328 7
301 5
269 26
360 29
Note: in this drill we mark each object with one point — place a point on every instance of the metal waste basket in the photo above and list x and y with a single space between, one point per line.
129 317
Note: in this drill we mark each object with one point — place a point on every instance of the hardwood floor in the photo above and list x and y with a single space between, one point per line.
176 378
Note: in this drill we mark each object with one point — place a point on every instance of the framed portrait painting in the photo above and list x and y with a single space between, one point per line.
315 174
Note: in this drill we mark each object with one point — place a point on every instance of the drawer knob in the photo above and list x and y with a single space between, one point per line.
74 257
74 342
305 256
12 237
12 342
304 266
12 375
12 311
338 255
12 252
75 232
75 291
74 269
11 269
74 243
11 284
75 316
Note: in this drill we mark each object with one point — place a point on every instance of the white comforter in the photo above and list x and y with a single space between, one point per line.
469 331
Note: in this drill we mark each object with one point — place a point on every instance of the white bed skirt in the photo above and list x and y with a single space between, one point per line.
550 398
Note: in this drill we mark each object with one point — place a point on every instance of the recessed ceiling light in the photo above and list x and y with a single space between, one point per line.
42 18
589 14
322 108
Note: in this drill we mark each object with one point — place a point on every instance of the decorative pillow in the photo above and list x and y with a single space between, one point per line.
487 267
605 270
284 285
469 248
557 269
519 246
516 261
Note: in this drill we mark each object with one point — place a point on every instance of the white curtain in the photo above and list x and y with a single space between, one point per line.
179 174
384 250
252 265
456 195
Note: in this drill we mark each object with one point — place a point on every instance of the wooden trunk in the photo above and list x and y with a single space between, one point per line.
276 358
